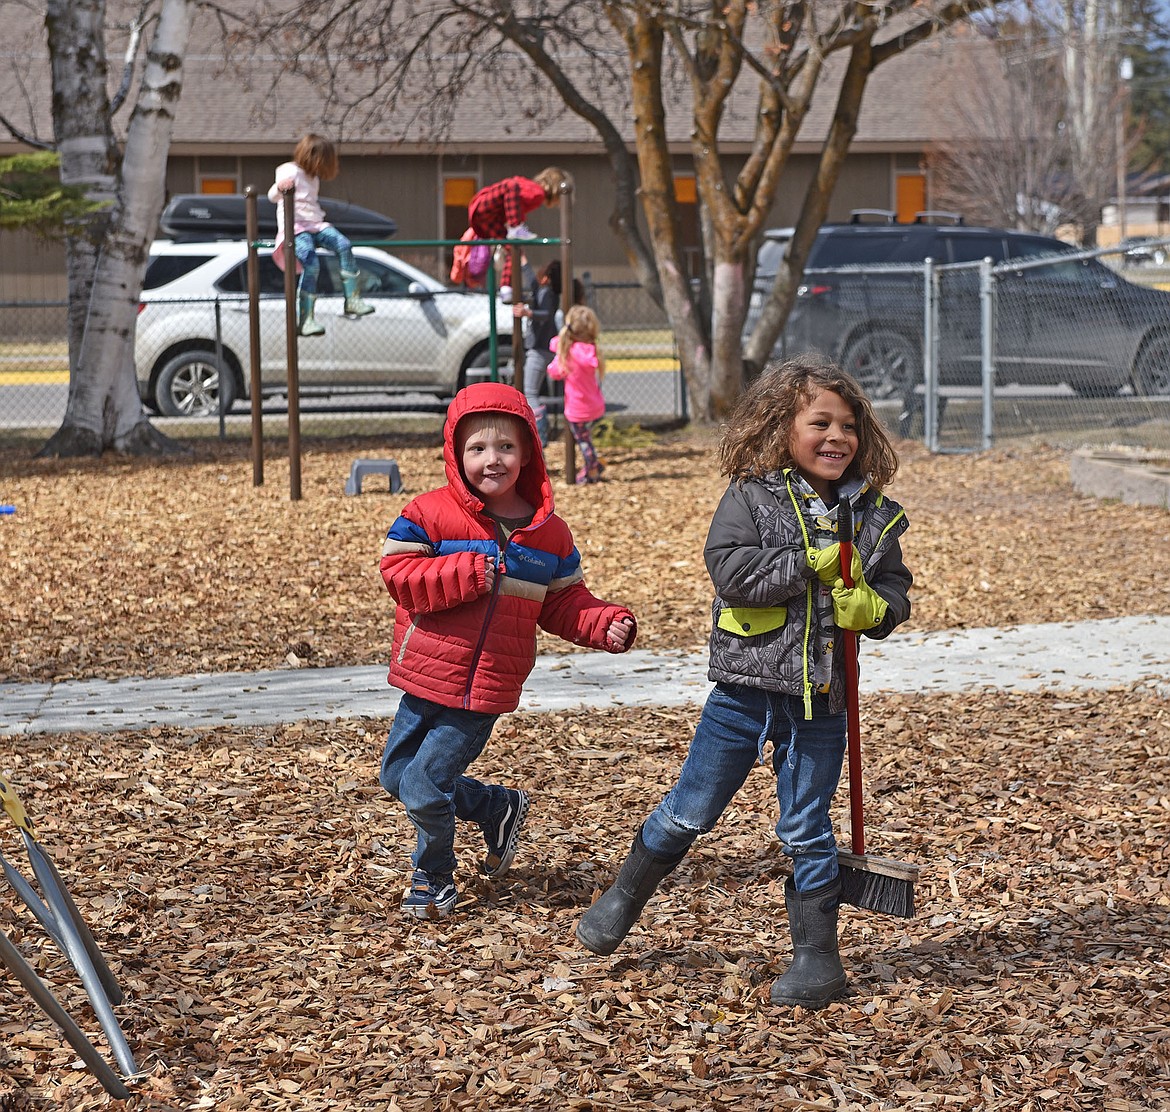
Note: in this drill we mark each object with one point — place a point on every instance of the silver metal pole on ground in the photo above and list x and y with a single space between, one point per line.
24 973
78 953
987 293
32 901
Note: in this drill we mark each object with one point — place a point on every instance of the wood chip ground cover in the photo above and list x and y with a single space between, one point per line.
244 883
128 568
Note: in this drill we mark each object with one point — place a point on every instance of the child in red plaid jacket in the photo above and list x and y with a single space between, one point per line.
498 211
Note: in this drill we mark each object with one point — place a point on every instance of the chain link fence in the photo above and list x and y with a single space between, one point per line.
1070 348
1073 349
362 375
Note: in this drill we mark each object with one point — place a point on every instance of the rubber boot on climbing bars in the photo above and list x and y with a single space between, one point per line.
816 975
308 326
354 305
609 920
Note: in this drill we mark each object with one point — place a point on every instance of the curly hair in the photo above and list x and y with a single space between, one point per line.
757 436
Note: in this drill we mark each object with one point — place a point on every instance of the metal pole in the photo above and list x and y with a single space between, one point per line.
987 293
566 207
930 352
517 322
1124 73
221 371
292 334
24 973
78 955
253 226
493 324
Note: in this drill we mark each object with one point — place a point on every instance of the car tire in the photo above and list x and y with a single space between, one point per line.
885 362
1151 368
189 385
482 363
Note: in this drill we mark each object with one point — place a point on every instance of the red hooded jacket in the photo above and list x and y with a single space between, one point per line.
456 642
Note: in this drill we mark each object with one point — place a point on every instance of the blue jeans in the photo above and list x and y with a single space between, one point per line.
306 245
728 742
427 751
535 366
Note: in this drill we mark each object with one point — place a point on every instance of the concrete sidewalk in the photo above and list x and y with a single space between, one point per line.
1114 652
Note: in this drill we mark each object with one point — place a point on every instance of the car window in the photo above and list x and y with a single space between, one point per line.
972 248
771 255
377 278
164 269
1036 247
857 249
236 279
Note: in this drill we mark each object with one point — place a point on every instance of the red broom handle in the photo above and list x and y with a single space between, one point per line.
852 711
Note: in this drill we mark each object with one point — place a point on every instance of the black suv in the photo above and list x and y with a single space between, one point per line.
1072 321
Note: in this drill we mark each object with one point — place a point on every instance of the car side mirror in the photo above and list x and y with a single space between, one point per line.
417 289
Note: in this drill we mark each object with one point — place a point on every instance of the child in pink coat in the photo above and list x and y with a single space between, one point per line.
579 365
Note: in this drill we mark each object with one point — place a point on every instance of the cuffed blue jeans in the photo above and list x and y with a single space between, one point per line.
428 749
728 742
306 245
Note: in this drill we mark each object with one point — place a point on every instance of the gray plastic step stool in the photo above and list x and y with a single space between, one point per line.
363 467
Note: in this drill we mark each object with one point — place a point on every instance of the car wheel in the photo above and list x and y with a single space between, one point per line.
885 362
479 368
1151 369
190 384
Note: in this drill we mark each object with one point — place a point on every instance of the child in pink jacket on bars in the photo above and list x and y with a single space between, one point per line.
579 365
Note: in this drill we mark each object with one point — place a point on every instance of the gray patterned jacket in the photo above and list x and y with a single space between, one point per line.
767 603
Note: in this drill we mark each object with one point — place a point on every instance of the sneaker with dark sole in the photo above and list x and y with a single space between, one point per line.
429 897
503 837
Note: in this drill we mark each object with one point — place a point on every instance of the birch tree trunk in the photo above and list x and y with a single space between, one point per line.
107 261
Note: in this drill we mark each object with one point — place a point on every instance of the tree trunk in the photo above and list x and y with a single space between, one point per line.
104 410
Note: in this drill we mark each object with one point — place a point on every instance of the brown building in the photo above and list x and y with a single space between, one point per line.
233 128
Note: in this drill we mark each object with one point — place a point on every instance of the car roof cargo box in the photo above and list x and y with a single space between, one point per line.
193 216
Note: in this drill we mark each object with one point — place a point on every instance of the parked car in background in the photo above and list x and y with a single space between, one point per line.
1072 320
423 336
1145 250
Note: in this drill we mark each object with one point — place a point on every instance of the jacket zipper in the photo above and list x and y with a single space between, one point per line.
486 622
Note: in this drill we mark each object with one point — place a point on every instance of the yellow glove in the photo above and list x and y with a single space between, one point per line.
858 607
826 562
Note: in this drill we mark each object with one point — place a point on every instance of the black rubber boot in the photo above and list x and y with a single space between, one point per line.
617 909
816 975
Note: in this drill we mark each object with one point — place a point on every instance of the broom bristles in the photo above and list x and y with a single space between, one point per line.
877 884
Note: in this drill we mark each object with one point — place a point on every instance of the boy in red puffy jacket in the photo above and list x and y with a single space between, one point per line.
475 566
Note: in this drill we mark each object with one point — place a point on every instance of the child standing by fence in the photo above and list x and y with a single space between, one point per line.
475 567
580 365
802 438
314 160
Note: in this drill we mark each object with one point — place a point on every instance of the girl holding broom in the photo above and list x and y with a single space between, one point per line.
802 438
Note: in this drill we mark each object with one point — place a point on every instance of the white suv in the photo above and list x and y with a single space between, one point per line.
423 336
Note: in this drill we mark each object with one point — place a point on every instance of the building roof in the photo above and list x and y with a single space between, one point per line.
248 106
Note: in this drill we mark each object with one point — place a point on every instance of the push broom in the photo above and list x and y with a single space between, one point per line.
871 883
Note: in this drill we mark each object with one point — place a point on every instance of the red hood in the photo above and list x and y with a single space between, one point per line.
497 397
